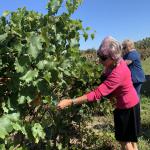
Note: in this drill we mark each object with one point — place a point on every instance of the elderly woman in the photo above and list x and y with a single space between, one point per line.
133 60
119 84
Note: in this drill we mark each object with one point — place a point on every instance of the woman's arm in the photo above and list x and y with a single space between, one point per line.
128 62
68 102
104 89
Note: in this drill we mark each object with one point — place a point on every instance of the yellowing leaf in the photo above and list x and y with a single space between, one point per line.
6 13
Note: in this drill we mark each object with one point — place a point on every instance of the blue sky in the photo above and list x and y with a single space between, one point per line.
121 19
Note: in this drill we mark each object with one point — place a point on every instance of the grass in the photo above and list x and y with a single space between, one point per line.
146 86
144 141
146 66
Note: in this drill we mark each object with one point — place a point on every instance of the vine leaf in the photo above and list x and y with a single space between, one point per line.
38 132
30 75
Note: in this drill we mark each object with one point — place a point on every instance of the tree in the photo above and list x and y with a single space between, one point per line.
40 63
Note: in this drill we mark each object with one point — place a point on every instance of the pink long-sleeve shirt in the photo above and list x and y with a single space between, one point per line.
119 84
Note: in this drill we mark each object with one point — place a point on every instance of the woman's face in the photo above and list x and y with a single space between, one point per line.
125 49
106 61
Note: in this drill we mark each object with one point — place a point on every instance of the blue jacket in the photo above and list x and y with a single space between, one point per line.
135 67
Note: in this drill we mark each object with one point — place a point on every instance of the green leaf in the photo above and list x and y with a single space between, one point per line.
2 147
6 13
13 117
18 47
3 132
42 64
72 5
44 33
38 132
3 37
5 123
53 6
66 72
85 35
43 86
21 100
18 67
16 126
59 146
5 109
74 42
35 45
47 76
30 75
9 105
92 36
88 28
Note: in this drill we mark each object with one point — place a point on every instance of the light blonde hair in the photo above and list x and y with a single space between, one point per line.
128 44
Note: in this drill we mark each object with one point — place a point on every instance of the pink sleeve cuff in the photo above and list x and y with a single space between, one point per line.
91 96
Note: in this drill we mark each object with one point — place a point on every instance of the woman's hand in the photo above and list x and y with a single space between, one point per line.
64 103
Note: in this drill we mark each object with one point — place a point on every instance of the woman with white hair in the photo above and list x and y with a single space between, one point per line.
119 84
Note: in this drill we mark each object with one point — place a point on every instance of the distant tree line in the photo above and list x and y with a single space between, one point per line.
89 54
143 46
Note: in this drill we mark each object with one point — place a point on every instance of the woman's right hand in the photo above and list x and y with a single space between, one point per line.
64 103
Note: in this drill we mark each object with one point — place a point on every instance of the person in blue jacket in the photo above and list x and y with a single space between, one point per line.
133 60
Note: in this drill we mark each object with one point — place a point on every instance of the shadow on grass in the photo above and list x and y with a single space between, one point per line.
145 131
145 90
104 127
